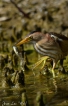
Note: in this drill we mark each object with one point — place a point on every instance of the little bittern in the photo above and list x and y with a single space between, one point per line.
50 44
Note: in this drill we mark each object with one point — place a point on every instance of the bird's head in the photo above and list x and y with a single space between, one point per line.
33 36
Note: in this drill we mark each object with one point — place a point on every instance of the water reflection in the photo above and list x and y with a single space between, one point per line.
54 91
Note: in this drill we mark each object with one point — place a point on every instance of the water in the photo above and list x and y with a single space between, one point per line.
55 91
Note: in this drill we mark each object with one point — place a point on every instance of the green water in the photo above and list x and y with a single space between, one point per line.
54 91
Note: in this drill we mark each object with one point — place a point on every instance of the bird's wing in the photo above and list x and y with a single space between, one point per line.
58 36
62 41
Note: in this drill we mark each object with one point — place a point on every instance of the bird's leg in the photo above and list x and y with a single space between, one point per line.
43 64
53 71
40 61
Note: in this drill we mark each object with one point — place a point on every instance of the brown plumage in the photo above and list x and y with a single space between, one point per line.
50 44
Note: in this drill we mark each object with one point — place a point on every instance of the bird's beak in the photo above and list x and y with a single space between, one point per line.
25 40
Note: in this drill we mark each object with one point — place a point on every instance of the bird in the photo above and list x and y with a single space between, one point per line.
52 44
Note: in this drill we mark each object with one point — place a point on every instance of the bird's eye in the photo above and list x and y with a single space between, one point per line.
31 37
